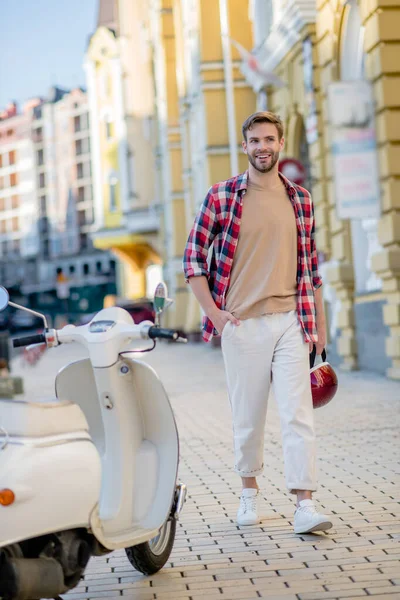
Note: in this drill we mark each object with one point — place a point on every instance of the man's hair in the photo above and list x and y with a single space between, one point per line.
262 117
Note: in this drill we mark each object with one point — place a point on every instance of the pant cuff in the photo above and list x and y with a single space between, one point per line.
254 473
293 488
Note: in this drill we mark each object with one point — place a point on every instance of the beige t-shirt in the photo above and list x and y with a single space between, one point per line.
264 271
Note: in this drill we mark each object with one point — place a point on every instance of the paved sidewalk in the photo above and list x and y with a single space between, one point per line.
213 558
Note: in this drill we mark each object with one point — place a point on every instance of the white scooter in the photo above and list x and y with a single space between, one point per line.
92 470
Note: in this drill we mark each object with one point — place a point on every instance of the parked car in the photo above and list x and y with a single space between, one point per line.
140 310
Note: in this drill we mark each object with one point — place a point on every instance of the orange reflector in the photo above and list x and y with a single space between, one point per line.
7 497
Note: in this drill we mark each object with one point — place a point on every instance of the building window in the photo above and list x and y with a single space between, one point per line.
86 269
89 216
83 238
40 157
109 130
15 224
261 14
77 124
38 135
13 179
11 157
79 170
42 180
43 206
10 132
1 161
78 147
112 190
99 267
3 226
352 55
4 247
16 247
2 204
81 218
45 246
14 202
81 194
2 183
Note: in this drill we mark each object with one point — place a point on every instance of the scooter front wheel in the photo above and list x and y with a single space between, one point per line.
151 556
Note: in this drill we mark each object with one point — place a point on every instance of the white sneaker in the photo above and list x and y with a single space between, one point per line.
248 509
307 519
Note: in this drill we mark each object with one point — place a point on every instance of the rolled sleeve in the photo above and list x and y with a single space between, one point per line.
200 239
316 277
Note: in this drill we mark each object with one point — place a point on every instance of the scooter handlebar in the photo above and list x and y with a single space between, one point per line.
39 338
166 334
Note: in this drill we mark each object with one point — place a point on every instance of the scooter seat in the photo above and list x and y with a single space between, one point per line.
41 418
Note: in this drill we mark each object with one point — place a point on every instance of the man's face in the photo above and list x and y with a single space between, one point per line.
263 146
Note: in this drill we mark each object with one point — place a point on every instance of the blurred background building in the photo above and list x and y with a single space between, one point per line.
169 83
47 212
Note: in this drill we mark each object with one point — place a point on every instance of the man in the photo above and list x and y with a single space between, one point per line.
261 291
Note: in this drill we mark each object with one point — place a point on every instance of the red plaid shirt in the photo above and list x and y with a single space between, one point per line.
218 224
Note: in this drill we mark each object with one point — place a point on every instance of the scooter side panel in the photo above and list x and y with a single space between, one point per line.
56 487
141 458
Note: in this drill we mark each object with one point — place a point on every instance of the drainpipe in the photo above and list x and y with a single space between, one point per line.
229 91
162 117
95 147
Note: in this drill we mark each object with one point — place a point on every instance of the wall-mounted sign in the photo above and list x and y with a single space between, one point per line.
353 139
293 169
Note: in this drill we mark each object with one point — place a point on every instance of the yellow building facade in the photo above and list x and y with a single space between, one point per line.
119 81
201 99
352 41
198 91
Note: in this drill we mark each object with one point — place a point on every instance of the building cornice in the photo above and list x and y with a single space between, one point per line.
285 33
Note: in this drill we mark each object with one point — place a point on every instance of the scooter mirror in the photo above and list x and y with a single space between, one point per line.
4 298
160 296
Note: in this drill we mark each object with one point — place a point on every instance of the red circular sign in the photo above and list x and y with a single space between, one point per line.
293 169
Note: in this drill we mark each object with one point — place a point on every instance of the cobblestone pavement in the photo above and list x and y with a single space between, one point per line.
215 559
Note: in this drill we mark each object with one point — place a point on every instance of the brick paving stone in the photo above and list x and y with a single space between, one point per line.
274 596
140 597
387 596
358 484
240 593
216 596
383 590
331 595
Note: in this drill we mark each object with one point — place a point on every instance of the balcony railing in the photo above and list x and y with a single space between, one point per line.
142 220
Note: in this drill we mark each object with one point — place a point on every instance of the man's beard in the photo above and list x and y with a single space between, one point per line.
267 167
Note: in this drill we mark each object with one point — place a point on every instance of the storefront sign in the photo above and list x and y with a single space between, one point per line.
311 105
355 161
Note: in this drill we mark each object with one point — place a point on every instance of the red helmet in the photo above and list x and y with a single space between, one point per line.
324 382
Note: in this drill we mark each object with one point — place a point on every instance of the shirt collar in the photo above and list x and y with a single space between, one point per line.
243 179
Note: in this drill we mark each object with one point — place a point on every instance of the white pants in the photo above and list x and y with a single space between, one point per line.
254 351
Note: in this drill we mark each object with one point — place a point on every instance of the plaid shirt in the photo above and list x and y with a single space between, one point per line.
218 223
